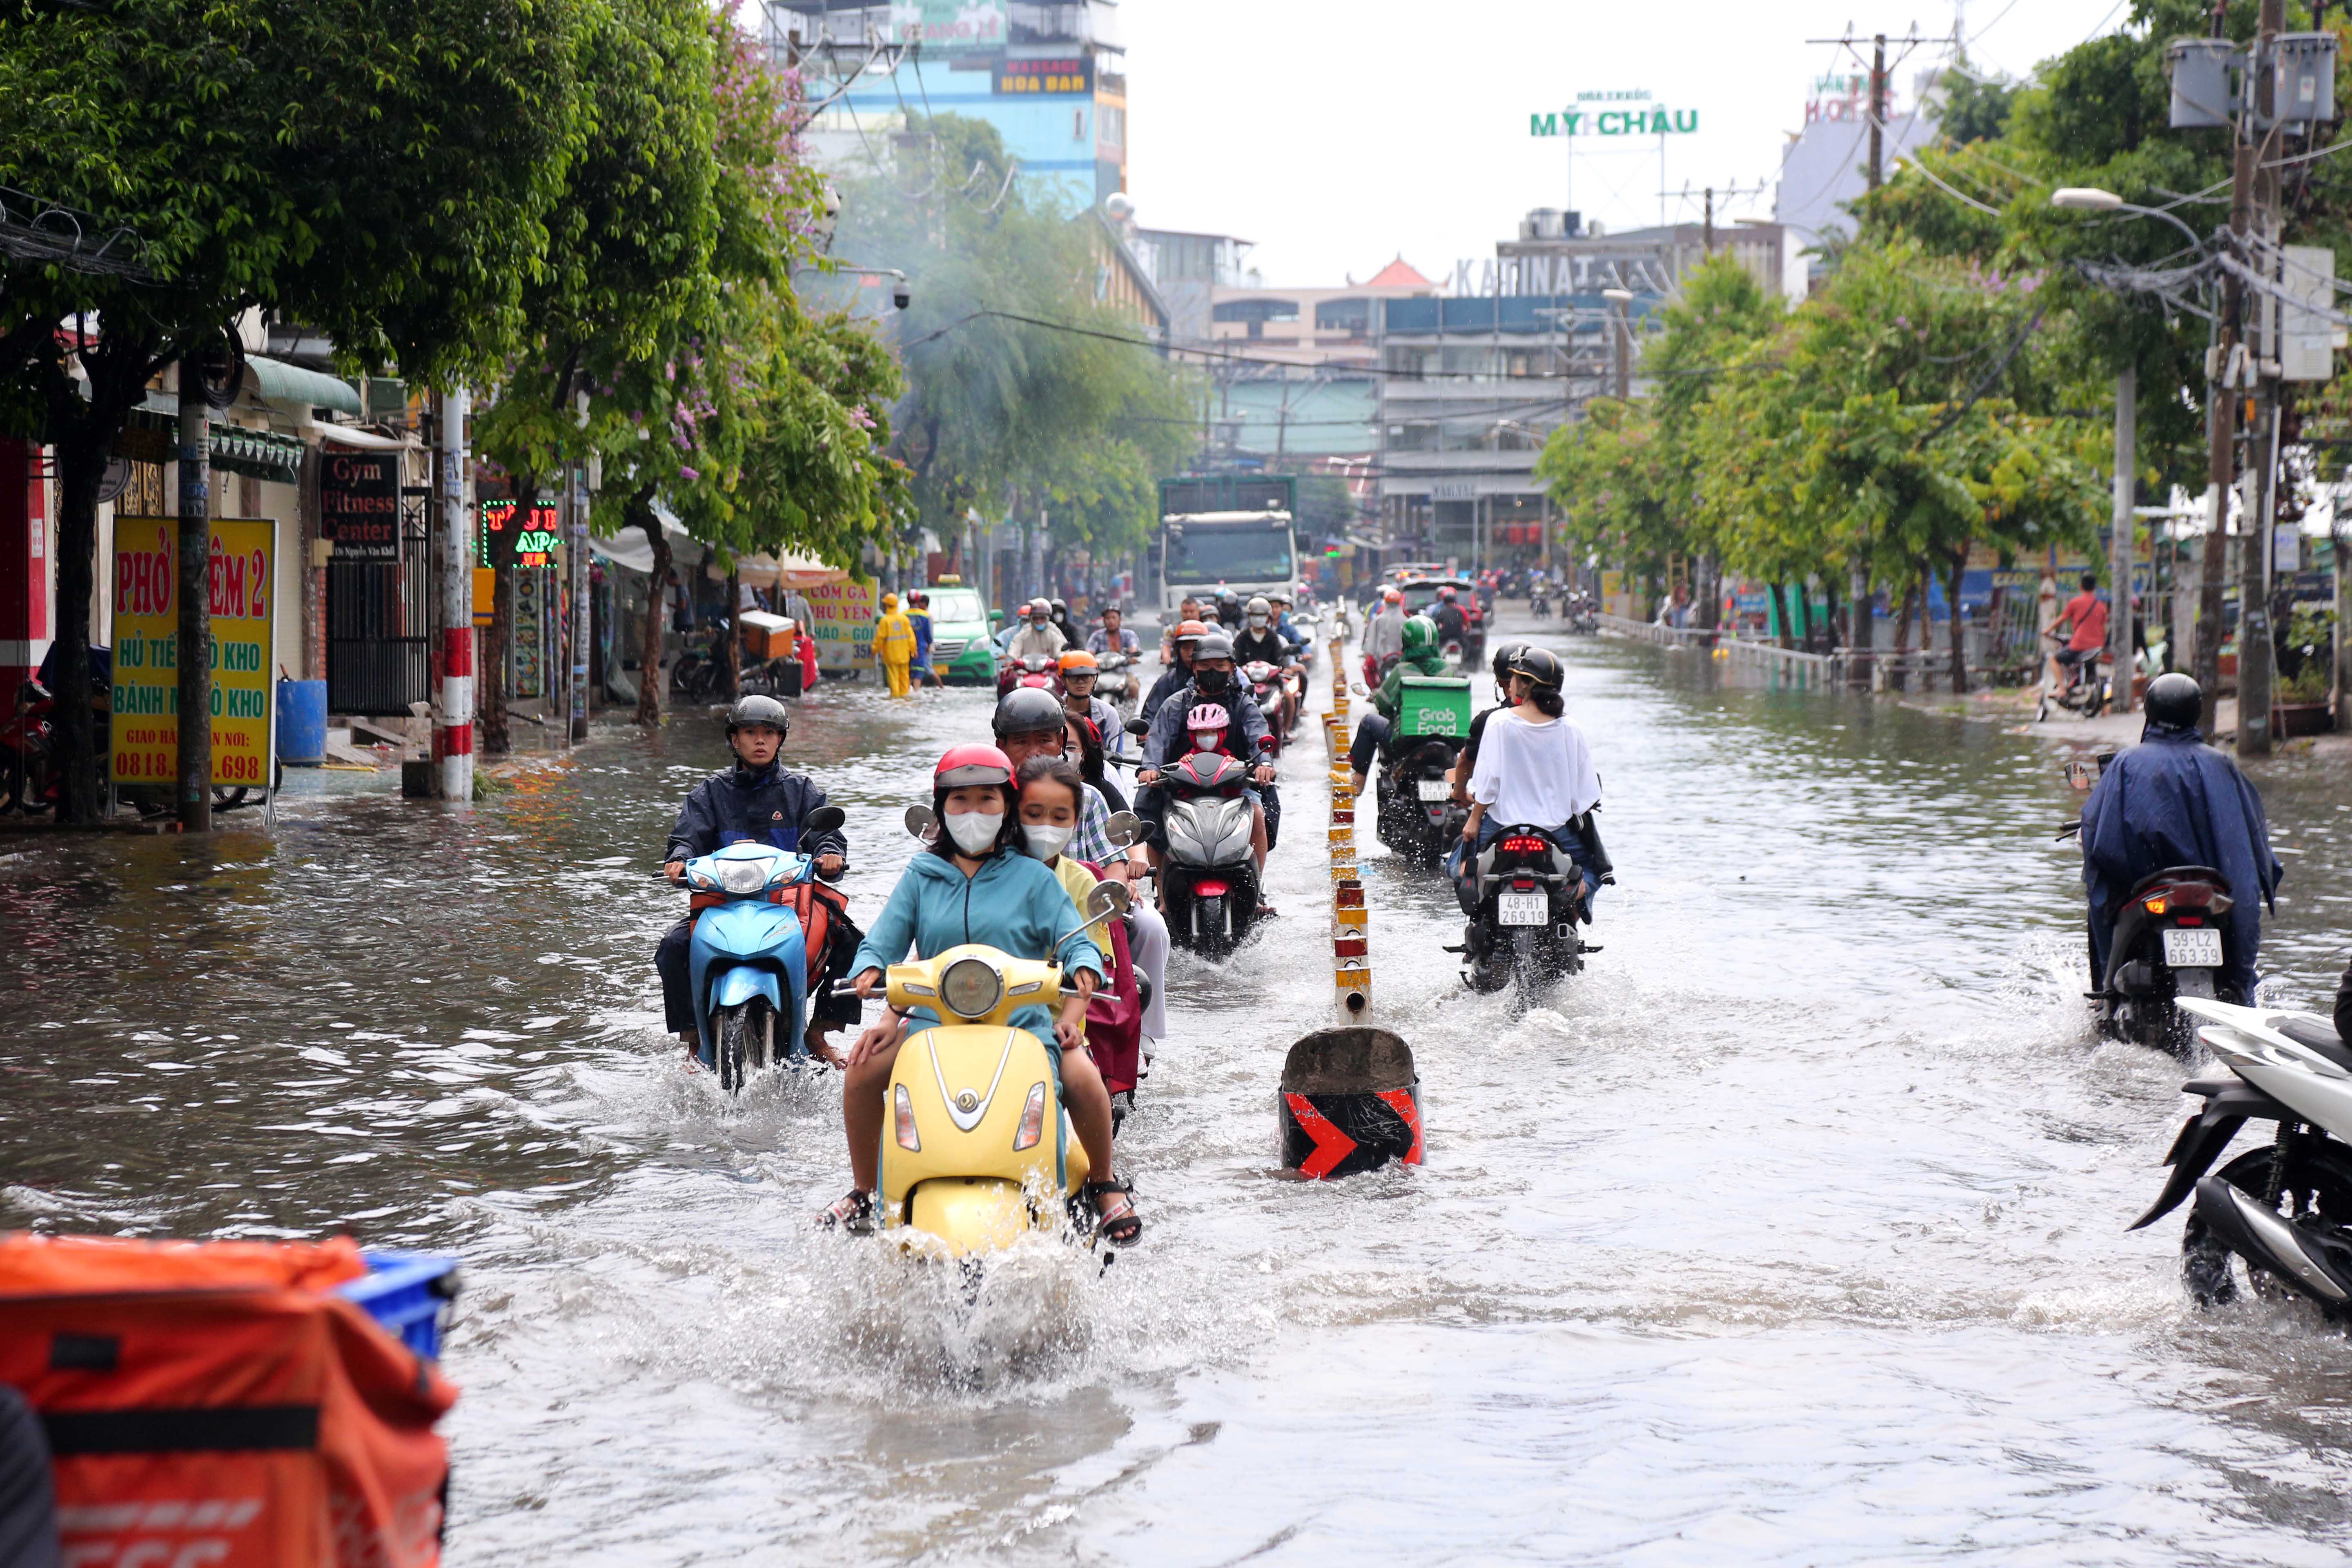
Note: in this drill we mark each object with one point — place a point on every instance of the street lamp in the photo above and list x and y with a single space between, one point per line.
2091 199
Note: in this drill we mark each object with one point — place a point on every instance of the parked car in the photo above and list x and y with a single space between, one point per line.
961 653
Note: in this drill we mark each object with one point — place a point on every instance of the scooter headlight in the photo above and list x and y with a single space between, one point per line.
903 1112
744 877
1033 1118
971 987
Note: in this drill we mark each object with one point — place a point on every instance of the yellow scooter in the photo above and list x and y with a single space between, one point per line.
976 1150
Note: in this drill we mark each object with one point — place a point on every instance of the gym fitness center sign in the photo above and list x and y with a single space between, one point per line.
1606 114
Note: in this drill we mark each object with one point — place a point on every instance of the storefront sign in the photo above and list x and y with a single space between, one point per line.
1065 73
1614 113
242 580
947 26
358 503
528 538
841 619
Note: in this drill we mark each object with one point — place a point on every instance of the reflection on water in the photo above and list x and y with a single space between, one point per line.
1792 1231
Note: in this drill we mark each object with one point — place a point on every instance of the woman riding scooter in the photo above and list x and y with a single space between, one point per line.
976 886
1534 770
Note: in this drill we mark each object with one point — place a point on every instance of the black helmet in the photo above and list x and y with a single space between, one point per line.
760 710
2175 700
1212 645
1503 657
1028 710
1539 665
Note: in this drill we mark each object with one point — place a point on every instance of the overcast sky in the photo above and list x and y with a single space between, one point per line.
1338 135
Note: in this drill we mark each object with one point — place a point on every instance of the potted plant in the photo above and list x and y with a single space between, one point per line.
2299 706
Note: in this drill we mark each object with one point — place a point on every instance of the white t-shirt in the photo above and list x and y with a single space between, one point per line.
1538 773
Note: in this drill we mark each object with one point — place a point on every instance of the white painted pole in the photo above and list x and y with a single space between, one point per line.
456 606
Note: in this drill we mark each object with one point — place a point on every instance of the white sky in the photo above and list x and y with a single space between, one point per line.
1337 135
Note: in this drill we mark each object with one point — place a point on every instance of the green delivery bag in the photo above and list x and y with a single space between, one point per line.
1433 705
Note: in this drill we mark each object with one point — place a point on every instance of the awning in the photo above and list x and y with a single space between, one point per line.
152 435
630 551
358 440
291 387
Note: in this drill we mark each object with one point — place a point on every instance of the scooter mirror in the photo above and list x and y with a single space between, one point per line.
1359 689
1138 727
1107 898
823 819
920 822
1123 828
2082 772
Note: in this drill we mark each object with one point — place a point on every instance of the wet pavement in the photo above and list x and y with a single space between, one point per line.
1793 1231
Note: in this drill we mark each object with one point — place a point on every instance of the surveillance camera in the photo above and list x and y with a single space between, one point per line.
902 296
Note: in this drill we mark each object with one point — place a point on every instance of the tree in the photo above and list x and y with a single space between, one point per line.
393 195
1024 391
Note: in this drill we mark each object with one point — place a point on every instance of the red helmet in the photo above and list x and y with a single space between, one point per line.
965 765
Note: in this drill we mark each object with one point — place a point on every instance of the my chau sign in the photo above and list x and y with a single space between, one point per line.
1607 112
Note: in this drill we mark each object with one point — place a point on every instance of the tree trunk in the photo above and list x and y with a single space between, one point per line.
1903 631
1952 576
1710 609
730 670
649 651
1781 614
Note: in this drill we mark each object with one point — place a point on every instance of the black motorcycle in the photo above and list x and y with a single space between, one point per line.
1417 816
1530 903
1540 605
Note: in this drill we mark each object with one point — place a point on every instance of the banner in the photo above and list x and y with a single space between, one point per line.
841 618
949 26
242 579
358 503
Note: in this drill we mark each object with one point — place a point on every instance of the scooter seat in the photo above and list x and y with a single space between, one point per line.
2319 1037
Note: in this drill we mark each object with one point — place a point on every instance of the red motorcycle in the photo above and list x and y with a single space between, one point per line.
27 751
1038 669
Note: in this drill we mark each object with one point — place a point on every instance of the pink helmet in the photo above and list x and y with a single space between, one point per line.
1207 724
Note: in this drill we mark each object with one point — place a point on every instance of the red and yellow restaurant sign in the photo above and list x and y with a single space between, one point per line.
242 580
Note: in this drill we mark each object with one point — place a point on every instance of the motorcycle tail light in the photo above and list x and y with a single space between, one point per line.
1033 1118
1523 885
2156 905
1536 847
904 1114
2190 920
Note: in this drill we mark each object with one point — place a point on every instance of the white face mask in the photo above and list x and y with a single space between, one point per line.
974 831
1043 840
1257 622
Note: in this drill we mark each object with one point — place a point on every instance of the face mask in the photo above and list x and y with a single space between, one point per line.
1209 682
974 831
1208 740
1043 840
1257 623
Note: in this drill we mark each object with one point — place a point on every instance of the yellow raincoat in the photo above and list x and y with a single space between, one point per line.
894 646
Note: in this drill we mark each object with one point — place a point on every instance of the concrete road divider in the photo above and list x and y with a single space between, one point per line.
1351 1101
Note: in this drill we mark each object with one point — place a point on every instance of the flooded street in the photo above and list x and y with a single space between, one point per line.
1793 1232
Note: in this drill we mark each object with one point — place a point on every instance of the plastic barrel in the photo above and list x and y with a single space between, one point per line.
303 722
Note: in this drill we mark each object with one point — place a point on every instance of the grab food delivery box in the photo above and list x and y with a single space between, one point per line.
219 1404
1433 705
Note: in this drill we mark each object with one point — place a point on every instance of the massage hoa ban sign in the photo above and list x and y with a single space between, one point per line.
242 581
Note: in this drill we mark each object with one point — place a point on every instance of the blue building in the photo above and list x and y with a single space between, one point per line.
1052 78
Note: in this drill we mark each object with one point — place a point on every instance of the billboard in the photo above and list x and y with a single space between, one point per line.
841 619
241 586
949 26
358 503
1056 74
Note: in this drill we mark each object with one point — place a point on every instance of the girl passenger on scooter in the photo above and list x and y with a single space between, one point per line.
975 885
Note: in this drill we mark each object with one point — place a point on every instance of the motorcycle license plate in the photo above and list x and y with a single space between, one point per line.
2192 949
1522 909
1434 789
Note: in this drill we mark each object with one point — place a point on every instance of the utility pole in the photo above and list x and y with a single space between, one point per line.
2253 554
195 651
2119 546
1878 112
456 704
1710 220
575 477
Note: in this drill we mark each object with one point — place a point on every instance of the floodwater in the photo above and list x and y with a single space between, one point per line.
1792 1231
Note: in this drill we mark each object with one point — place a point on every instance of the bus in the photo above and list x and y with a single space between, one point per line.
1226 530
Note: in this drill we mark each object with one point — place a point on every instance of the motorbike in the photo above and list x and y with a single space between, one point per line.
1417 812
1038 669
1540 605
2279 1212
978 1151
1116 683
1580 614
26 750
1208 877
1272 691
2169 943
749 960
1530 903
2083 689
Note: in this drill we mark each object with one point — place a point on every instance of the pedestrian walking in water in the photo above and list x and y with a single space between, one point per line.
894 646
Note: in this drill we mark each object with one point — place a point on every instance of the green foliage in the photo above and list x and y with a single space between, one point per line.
1975 109
1006 415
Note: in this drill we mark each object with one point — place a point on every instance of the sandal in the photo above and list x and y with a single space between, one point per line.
1120 1225
852 1212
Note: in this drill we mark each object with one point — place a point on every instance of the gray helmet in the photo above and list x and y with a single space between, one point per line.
1028 710
760 710
2175 700
1212 645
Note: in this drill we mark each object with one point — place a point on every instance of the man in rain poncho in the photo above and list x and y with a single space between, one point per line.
894 645
2175 801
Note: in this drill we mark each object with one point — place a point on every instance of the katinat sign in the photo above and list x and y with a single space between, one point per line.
1614 112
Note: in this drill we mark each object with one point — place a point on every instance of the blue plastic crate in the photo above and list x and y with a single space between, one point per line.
410 1294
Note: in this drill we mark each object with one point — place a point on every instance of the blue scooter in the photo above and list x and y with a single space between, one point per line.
749 959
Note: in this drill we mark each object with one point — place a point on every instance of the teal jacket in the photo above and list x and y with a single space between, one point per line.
1012 903
1390 696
